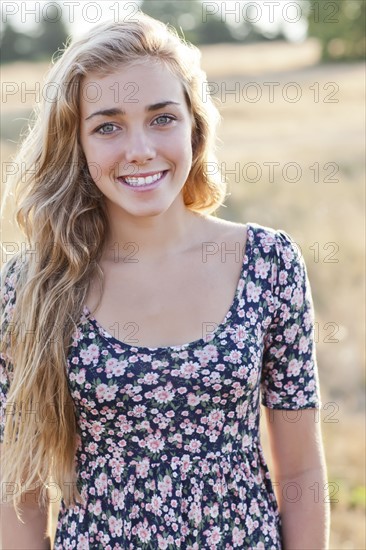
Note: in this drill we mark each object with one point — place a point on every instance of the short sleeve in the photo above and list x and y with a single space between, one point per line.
289 378
7 282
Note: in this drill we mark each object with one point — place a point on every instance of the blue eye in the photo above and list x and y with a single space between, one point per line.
103 127
170 118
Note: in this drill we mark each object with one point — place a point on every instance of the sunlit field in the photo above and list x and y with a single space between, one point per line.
291 146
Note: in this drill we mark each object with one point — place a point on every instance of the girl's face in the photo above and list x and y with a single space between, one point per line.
135 124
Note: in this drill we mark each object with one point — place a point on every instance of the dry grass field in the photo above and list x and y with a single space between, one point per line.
299 157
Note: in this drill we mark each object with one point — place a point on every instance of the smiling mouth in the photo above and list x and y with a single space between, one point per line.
134 181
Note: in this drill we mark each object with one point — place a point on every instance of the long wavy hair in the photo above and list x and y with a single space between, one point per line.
61 212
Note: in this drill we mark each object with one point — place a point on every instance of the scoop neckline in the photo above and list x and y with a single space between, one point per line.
201 341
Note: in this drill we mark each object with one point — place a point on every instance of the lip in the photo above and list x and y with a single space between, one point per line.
145 188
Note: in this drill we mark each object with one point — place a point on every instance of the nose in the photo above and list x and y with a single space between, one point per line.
139 148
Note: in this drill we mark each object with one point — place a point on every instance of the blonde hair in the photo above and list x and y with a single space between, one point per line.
61 212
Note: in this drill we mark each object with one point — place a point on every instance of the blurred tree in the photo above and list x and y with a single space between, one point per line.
14 45
49 35
187 16
340 26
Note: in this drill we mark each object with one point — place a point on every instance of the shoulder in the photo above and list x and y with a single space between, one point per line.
269 238
279 242
224 229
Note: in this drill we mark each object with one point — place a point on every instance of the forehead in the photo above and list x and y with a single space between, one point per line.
131 86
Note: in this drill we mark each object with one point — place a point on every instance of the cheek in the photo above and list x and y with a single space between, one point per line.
101 160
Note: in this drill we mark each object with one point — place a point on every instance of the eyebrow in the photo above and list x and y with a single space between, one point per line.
117 111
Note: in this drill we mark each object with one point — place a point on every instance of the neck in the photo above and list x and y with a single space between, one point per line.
151 238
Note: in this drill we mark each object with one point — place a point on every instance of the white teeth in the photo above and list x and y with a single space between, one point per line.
143 181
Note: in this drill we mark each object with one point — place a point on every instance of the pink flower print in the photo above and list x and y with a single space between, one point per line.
290 388
92 448
125 426
165 486
297 297
254 508
294 367
80 377
278 353
83 543
214 511
215 536
115 526
234 356
142 468
155 444
251 420
162 543
101 483
106 393
308 318
282 277
241 409
96 428
238 537
303 344
86 357
187 370
287 293
233 429
216 417
208 353
118 499
272 398
252 379
101 391
195 514
194 445
240 333
242 372
109 365
155 364
155 505
150 378
290 333
163 396
287 255
241 284
261 268
267 241
117 467
300 400
250 525
186 464
111 392
253 292
247 440
94 351
211 351
97 508
139 411
144 532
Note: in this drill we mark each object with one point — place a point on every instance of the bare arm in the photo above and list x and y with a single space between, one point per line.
300 478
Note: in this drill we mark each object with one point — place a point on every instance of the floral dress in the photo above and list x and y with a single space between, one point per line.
169 453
